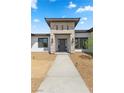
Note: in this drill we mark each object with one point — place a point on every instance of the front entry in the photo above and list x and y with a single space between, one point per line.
62 45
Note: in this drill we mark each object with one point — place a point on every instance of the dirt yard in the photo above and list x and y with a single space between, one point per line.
41 62
84 65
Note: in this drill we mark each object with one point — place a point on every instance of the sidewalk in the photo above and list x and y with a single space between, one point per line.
63 77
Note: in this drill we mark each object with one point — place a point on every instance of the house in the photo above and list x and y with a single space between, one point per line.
62 38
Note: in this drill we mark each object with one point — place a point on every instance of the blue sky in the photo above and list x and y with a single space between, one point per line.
60 9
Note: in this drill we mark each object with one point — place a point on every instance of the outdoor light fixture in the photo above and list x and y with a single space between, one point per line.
51 40
72 40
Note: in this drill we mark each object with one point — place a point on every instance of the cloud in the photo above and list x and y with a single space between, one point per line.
84 18
85 8
82 22
63 16
52 0
34 4
72 5
36 20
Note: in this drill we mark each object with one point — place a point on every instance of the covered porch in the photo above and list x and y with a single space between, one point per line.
62 43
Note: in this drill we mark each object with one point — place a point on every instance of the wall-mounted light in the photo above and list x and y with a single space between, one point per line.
72 40
51 40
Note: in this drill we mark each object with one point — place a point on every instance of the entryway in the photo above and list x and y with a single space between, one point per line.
62 45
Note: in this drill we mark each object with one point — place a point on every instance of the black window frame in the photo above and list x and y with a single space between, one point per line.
42 44
57 28
62 27
83 45
67 27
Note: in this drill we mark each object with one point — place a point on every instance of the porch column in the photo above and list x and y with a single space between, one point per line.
72 43
52 43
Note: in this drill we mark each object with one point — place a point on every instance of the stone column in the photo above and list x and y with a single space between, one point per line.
52 43
72 42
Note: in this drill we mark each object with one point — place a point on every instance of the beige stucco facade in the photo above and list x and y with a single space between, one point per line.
69 35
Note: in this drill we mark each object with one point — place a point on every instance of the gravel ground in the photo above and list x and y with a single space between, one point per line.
84 64
41 62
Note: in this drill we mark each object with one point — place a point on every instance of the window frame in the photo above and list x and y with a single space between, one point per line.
42 43
81 45
57 28
62 27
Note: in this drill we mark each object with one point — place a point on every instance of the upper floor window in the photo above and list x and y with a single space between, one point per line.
53 27
59 27
62 27
70 27
65 27
56 27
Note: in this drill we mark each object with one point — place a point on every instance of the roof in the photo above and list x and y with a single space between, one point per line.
48 20
81 31
91 29
84 31
40 34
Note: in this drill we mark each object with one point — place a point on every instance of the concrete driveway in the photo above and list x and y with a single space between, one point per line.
63 77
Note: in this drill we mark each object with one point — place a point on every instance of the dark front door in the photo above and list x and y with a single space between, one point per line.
62 45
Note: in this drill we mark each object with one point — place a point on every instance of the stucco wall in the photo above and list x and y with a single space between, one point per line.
82 34
59 24
57 35
34 44
71 47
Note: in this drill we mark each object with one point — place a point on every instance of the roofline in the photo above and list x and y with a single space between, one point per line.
76 20
63 18
32 34
84 31
81 31
91 29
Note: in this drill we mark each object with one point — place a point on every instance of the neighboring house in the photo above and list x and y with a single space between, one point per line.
63 37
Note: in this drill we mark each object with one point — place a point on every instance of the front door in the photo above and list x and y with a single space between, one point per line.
62 45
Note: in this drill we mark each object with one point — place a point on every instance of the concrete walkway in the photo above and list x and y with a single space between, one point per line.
63 77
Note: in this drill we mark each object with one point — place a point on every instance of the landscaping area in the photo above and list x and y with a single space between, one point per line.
84 64
41 62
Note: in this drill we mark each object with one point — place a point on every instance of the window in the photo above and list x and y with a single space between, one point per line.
81 43
53 27
56 27
71 27
62 27
65 27
42 42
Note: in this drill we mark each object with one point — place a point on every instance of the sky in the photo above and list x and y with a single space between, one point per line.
41 9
